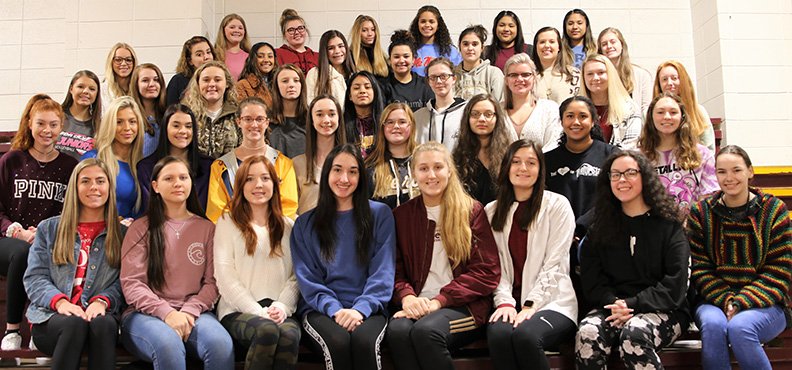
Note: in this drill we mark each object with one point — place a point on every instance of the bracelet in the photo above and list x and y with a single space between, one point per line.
13 230
105 303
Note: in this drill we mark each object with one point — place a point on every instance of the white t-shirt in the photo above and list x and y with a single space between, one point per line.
440 273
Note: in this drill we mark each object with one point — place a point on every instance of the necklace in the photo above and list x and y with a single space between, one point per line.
46 156
177 231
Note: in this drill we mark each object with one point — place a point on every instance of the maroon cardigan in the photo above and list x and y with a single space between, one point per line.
474 281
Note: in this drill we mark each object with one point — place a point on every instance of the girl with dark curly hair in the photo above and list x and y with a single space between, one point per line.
430 31
634 268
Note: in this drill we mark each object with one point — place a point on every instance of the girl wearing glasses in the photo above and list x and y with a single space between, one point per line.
636 80
672 77
390 176
685 167
196 51
121 61
634 268
253 122
335 66
429 30
528 117
620 118
476 76
83 108
557 78
483 140
507 39
440 119
294 51
232 43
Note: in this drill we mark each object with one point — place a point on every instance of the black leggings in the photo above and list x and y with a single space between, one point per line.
424 344
66 337
523 347
342 350
13 262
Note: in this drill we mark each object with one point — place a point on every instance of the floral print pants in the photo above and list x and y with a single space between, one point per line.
638 340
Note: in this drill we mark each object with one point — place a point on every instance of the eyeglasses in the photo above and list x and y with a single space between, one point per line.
476 114
524 75
629 174
293 30
394 123
443 77
122 60
260 120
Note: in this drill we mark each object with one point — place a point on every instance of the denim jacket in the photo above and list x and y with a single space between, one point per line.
44 279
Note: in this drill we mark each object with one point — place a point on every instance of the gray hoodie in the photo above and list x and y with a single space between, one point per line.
439 125
483 79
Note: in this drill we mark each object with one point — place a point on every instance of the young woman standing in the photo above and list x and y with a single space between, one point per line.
118 70
33 179
672 77
507 39
740 244
257 75
253 123
528 117
483 140
620 118
362 110
430 31
325 132
557 79
343 253
294 51
636 80
289 111
440 119
335 66
365 46
402 84
390 174
83 108
119 143
196 51
148 91
578 41
169 282
634 268
446 266
212 97
232 44
74 309
536 307
253 267
476 76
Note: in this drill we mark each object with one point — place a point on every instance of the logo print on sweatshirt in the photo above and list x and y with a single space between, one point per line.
195 253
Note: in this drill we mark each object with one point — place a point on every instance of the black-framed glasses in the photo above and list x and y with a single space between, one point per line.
293 30
443 77
629 174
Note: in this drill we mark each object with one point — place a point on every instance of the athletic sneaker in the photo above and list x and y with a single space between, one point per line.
39 360
11 342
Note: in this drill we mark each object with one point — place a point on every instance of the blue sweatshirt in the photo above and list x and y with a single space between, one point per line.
328 286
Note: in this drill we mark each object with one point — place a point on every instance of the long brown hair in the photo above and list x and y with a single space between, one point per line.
378 160
95 110
23 140
221 43
159 101
310 137
277 115
240 208
506 188
686 152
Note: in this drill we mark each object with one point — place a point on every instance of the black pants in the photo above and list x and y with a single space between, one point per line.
342 350
425 344
523 347
66 337
13 262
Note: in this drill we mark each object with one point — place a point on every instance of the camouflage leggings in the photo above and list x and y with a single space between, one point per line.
270 346
638 340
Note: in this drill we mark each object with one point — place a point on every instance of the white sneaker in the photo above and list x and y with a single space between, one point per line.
39 360
11 342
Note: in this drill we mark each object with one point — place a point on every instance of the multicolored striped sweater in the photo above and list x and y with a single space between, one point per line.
742 257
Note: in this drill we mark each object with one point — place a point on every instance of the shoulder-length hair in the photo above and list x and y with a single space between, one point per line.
378 160
196 101
164 145
625 66
442 37
491 52
686 92
608 224
241 214
506 196
686 151
63 248
324 67
325 213
277 99
106 136
184 65
617 94
221 43
516 59
589 45
112 83
23 140
360 54
455 208
95 110
311 136
251 64
469 145
595 132
157 216
561 65
159 102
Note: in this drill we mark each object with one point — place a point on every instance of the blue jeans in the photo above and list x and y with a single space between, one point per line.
746 332
151 339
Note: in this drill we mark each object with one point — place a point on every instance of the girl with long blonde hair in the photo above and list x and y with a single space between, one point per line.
366 48
212 97
232 44
121 61
636 80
